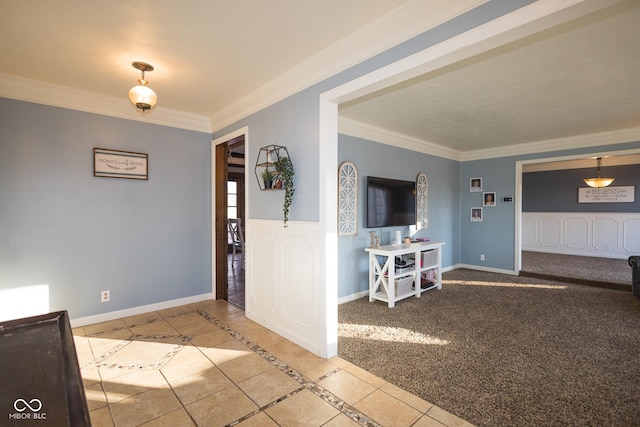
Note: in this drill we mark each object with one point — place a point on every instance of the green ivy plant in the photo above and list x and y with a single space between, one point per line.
284 169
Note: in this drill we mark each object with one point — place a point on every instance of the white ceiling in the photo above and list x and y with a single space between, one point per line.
579 78
206 53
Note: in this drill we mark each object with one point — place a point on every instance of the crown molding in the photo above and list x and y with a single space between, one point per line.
389 30
377 134
384 136
619 136
60 96
610 158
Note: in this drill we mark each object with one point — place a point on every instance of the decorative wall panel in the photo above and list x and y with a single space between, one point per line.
631 235
605 234
283 287
609 235
550 231
347 199
422 201
576 234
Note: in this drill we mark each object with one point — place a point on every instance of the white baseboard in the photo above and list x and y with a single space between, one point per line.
451 267
112 315
353 297
488 269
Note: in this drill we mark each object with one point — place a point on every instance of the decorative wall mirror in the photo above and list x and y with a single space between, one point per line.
347 199
422 201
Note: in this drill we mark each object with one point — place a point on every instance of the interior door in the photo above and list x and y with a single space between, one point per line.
220 213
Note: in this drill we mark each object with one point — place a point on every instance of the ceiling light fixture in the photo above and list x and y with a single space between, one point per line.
142 96
599 181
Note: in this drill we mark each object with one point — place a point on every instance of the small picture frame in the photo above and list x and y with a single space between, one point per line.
489 199
476 215
475 184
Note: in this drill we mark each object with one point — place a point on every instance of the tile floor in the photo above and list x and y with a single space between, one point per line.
206 364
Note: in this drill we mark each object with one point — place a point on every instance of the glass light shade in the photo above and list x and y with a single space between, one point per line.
599 182
143 97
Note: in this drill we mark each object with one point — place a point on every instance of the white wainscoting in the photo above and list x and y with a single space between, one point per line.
283 282
607 235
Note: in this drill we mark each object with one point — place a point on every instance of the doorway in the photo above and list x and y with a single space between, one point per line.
229 188
573 240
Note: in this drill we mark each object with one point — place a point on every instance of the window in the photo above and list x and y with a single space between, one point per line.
232 199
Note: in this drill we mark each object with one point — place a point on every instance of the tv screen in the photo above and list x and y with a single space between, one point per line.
390 202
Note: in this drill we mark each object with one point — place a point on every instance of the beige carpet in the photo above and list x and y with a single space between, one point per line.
605 272
501 350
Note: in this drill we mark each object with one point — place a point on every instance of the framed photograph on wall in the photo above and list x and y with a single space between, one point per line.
476 215
489 199
475 184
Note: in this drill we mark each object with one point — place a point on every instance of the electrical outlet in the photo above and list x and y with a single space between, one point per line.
105 296
481 257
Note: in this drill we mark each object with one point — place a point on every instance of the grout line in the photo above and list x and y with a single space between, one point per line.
313 386
310 385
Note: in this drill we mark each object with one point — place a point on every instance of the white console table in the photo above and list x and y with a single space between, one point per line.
383 274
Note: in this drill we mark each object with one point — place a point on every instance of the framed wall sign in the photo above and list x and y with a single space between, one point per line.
621 194
120 164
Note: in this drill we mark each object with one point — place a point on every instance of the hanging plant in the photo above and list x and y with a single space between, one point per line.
284 169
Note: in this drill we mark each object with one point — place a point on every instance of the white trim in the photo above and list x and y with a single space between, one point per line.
608 153
487 269
620 159
619 136
112 315
74 99
328 199
517 232
377 134
353 297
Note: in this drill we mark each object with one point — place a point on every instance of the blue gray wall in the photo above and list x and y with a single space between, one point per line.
150 241
495 236
381 160
294 122
557 191
145 241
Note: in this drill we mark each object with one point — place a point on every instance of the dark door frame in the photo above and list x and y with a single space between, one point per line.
222 175
220 214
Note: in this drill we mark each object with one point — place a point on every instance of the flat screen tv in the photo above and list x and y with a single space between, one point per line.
390 202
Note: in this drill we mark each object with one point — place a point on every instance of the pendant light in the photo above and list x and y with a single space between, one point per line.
599 181
142 96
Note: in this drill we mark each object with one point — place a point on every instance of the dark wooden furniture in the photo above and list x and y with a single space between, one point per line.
39 373
634 262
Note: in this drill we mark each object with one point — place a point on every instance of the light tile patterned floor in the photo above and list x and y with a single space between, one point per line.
206 364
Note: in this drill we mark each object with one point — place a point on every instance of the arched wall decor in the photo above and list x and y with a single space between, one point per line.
422 201
347 199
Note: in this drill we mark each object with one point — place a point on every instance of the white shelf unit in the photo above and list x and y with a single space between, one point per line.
427 257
